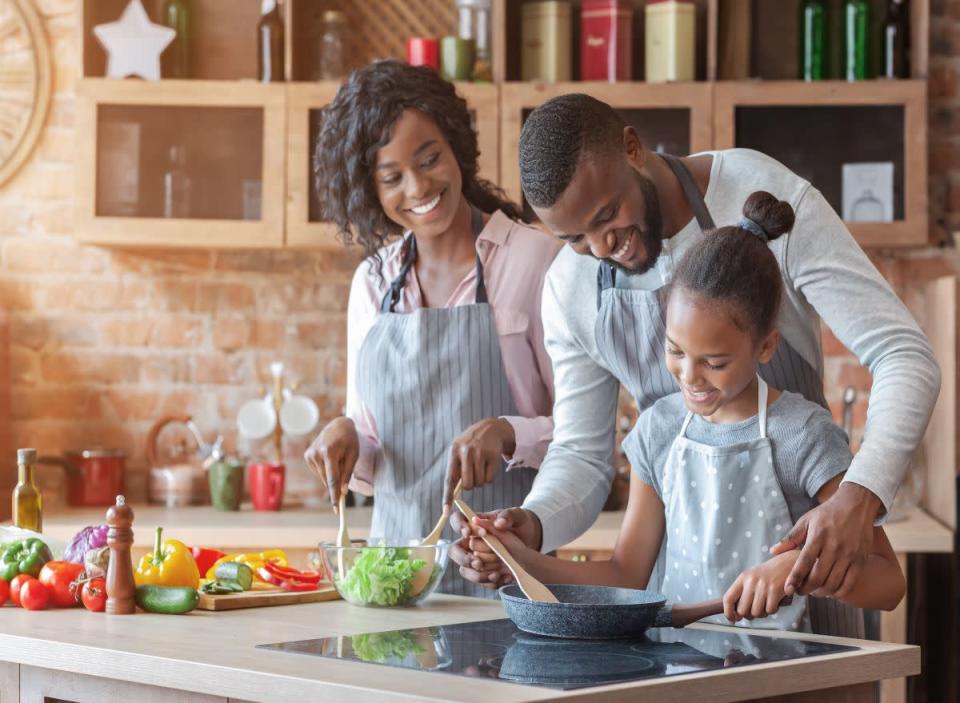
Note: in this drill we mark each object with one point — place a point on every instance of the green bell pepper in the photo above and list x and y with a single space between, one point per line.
24 557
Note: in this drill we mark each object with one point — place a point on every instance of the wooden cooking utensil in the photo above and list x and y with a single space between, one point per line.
343 539
422 578
532 589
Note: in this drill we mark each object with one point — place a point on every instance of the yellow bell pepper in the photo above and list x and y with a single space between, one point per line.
254 561
169 564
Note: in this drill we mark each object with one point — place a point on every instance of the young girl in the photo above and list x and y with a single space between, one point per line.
723 467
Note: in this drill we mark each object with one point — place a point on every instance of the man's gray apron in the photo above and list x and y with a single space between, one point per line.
630 335
427 376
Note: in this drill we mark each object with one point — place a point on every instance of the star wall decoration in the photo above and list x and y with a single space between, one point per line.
134 43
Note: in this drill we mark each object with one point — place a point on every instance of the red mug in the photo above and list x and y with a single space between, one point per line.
423 51
266 485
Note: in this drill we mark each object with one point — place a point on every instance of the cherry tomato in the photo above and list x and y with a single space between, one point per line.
15 586
94 595
60 578
4 591
34 595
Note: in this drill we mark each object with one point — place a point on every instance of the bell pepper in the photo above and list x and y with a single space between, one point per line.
169 564
25 556
254 561
205 557
285 583
291 574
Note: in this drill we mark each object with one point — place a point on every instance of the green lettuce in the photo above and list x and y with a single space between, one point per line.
381 646
380 576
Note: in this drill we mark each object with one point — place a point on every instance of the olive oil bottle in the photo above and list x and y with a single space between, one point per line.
27 504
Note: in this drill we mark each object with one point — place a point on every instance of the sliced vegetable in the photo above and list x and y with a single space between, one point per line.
92 537
34 595
380 576
62 581
169 600
94 595
219 588
24 557
169 564
285 584
288 572
254 561
235 571
205 558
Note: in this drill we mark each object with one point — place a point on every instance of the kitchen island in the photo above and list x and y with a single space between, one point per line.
74 656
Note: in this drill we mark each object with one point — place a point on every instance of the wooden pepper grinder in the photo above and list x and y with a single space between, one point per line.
120 583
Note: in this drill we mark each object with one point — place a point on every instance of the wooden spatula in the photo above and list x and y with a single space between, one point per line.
532 589
422 578
343 539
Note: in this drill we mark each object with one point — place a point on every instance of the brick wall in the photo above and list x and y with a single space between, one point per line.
103 342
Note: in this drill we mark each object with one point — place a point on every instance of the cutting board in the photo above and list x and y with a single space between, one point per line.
262 599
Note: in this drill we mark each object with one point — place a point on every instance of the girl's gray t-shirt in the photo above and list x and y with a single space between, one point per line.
809 448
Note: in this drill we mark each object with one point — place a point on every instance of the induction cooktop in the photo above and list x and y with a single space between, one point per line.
497 649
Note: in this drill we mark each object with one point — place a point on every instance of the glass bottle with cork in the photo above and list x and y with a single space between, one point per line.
270 43
856 40
27 503
896 33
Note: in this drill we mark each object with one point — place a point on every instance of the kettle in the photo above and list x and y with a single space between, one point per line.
182 482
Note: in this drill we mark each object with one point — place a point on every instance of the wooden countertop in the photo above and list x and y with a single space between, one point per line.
304 529
213 653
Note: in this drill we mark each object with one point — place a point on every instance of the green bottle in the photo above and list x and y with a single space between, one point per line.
176 15
813 41
856 40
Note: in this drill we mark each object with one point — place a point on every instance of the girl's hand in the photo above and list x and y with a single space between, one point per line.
476 454
758 591
333 454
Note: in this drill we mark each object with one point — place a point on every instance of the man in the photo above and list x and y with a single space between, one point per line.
628 214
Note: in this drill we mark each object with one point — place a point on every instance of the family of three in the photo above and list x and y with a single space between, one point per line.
482 350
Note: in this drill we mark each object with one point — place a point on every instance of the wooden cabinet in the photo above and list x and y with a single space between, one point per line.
181 163
814 128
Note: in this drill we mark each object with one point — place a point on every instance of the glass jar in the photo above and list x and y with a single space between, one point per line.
332 64
473 22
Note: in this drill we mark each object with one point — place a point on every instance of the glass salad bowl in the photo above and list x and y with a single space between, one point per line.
383 574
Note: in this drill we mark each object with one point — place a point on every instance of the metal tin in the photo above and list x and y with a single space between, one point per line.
546 50
606 40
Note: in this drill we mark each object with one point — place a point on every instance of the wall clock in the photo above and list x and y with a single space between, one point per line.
25 83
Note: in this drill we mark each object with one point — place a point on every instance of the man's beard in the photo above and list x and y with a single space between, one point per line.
651 236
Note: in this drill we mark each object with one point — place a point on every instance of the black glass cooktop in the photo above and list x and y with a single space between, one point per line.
497 649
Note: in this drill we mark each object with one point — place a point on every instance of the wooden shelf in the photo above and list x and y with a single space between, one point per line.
831 124
304 101
242 169
671 112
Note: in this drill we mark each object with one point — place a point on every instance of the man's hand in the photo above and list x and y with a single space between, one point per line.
475 455
836 538
477 563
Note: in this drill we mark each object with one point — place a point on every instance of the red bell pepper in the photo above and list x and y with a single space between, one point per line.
205 558
285 583
291 574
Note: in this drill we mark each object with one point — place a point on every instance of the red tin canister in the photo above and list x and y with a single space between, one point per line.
606 40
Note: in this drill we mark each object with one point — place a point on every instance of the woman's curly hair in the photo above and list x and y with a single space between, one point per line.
358 123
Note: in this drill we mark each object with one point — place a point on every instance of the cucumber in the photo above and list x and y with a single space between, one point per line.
218 587
169 600
234 571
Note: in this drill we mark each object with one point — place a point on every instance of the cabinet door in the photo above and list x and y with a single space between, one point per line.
181 163
9 682
51 686
817 129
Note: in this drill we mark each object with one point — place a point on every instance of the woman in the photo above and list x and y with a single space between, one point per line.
446 371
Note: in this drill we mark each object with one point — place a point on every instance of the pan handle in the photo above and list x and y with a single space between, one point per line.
683 615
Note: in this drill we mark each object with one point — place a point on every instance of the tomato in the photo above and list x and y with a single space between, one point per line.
34 595
4 591
15 586
60 578
94 595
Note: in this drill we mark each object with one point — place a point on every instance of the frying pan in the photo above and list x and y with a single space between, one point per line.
599 612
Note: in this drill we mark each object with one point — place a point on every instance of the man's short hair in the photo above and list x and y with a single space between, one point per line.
556 136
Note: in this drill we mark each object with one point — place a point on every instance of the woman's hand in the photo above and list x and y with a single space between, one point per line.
333 454
758 591
476 454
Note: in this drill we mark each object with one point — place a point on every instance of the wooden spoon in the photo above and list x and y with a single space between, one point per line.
532 589
343 539
422 577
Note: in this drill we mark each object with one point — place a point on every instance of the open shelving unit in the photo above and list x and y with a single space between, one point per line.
807 126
